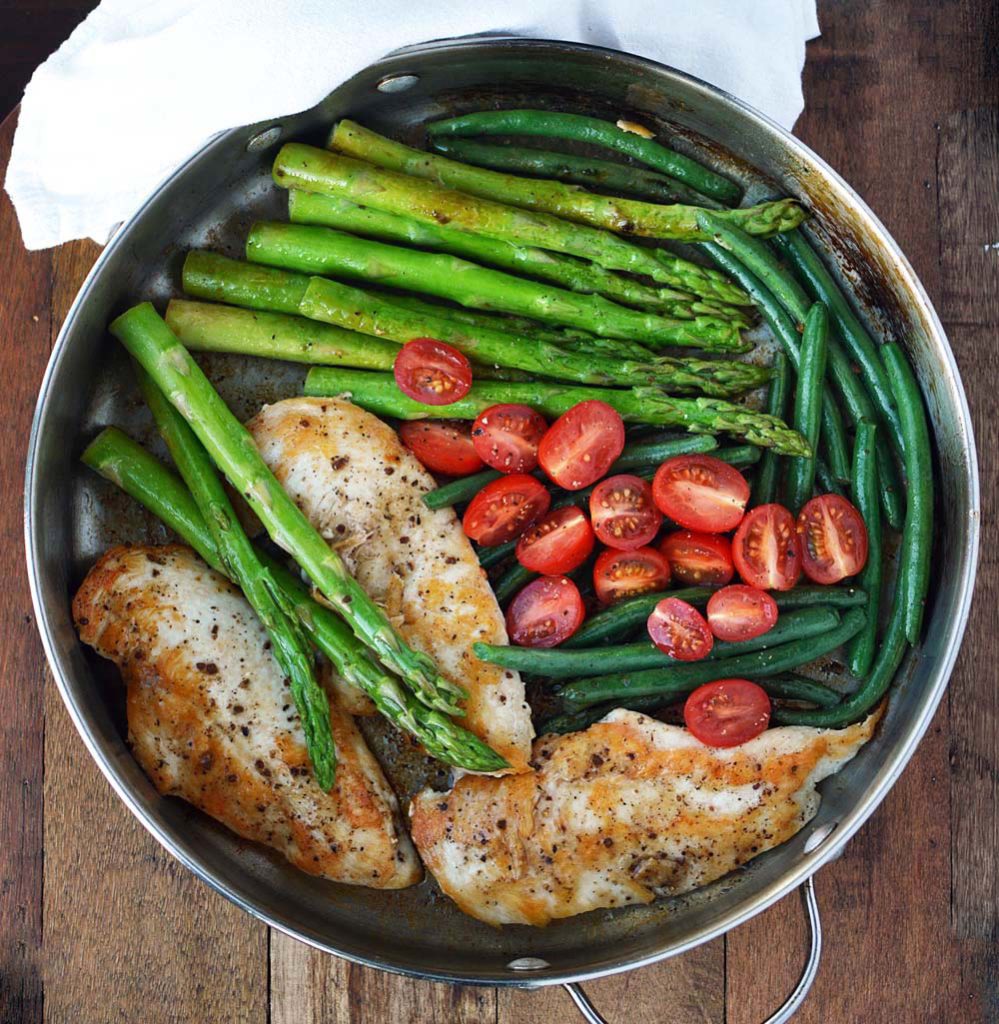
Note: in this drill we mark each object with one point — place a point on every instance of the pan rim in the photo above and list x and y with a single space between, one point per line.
809 863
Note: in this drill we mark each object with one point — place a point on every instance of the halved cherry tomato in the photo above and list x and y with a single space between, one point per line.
833 539
432 372
546 612
765 549
623 512
700 559
504 508
581 444
727 712
701 493
679 630
558 543
618 574
443 446
507 437
741 613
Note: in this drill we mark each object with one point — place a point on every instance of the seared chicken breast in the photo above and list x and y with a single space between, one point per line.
211 720
362 489
626 811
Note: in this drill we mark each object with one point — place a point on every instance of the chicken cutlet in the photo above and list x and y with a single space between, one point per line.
211 719
629 810
362 489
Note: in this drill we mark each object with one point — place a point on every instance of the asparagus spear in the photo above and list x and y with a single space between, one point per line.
379 393
624 216
210 327
230 445
593 131
580 170
368 313
291 648
332 174
319 250
128 465
566 271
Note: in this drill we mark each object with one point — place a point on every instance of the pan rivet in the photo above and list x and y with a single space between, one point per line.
263 140
397 83
819 836
528 963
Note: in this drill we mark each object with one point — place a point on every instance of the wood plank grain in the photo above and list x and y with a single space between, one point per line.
128 933
24 350
309 987
683 990
968 165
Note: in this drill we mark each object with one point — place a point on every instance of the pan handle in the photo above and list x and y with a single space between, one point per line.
793 1002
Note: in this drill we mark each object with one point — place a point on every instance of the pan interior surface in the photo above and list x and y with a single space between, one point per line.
72 516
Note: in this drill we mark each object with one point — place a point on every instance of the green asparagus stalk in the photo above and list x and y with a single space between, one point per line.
230 445
565 271
333 174
209 327
379 393
592 131
117 458
288 641
368 313
624 216
319 250
579 170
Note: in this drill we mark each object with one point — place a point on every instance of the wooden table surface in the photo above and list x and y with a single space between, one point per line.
99 924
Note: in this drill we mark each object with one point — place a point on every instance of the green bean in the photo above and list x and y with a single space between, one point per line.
511 582
598 689
860 653
803 258
646 453
556 663
760 262
788 687
891 650
620 619
833 433
828 483
917 533
740 456
579 128
765 488
463 489
808 405
488 557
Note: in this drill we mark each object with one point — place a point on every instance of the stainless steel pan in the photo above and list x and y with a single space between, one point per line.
71 516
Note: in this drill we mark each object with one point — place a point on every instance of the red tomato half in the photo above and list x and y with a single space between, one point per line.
443 446
679 630
556 544
432 372
582 444
833 539
699 559
727 712
741 613
507 437
701 493
618 574
765 549
546 612
504 508
623 512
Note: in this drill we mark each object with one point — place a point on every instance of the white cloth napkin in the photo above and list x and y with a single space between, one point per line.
142 84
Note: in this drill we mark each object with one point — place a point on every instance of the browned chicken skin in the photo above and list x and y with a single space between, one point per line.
626 811
211 720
